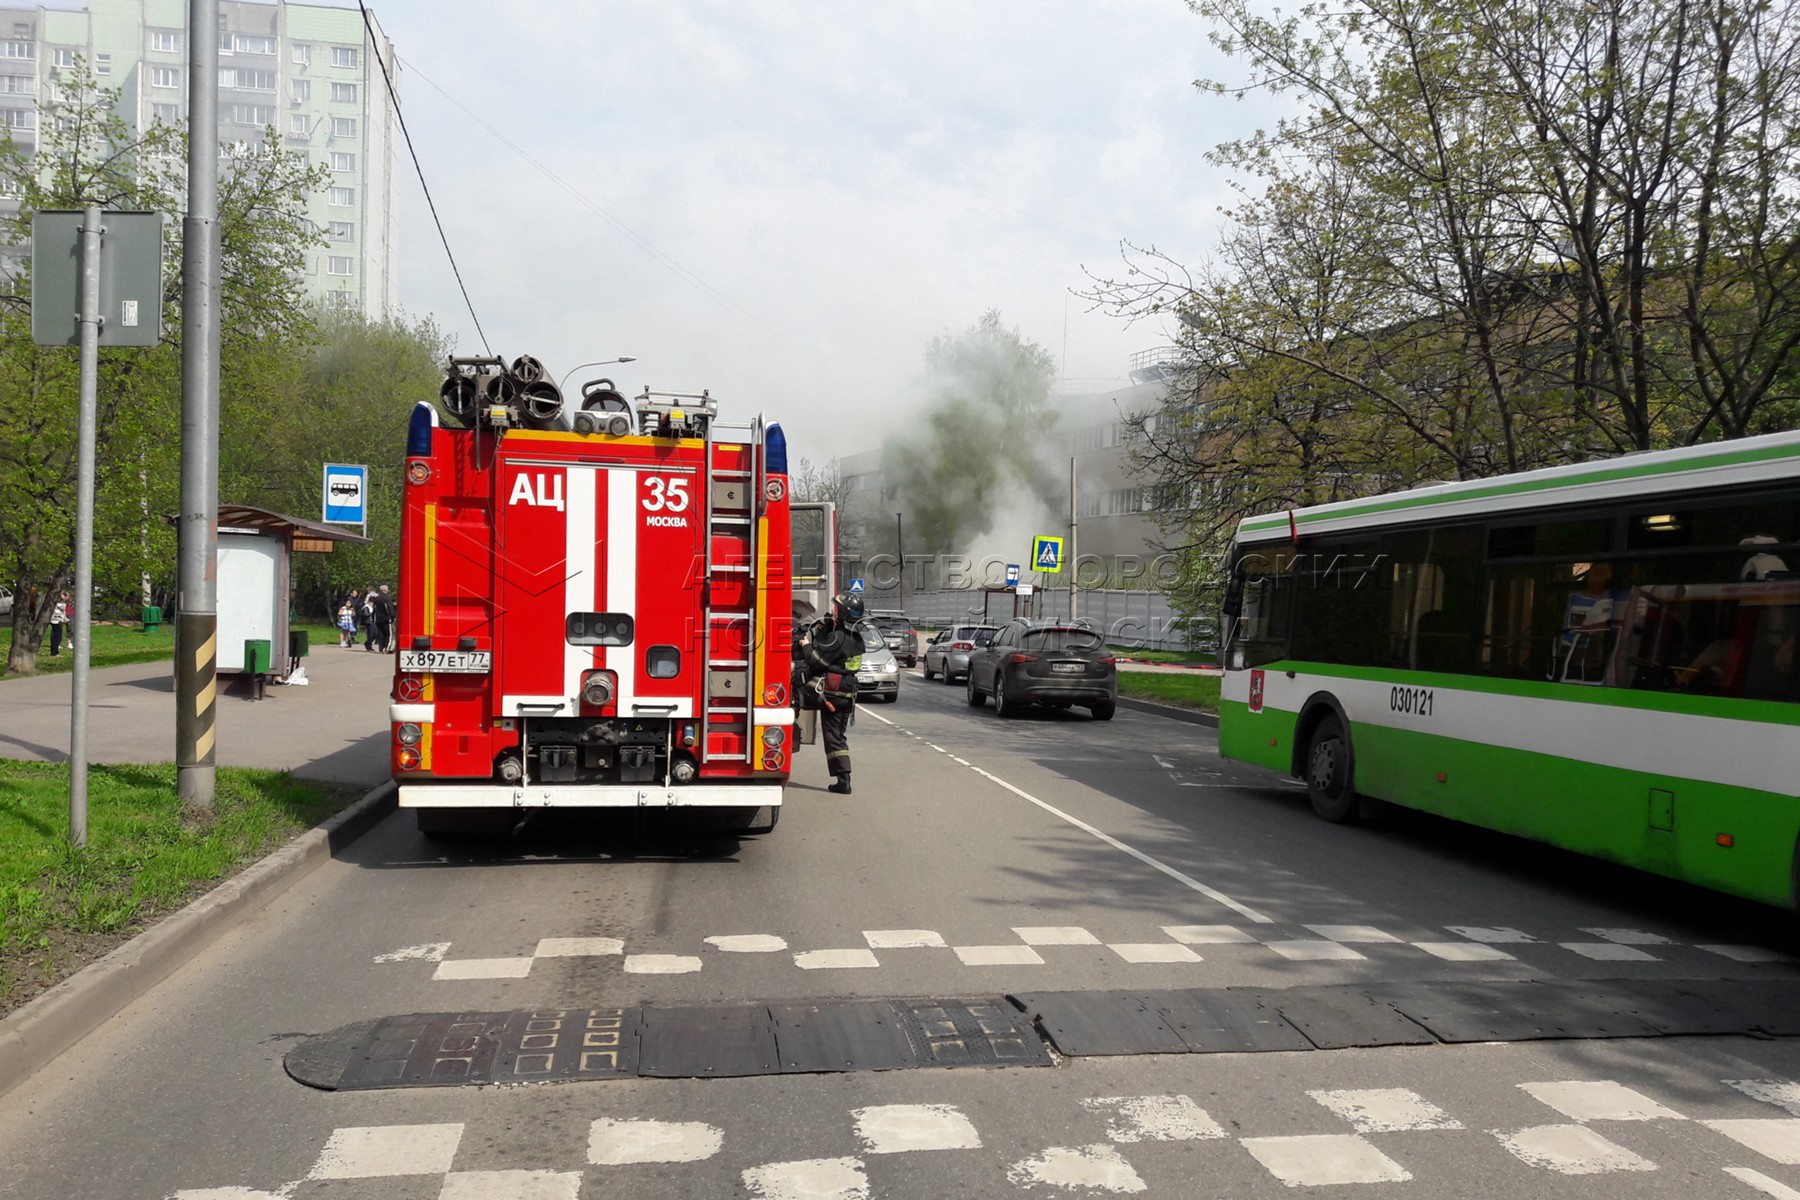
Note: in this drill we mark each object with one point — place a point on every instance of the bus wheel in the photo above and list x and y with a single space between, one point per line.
1328 780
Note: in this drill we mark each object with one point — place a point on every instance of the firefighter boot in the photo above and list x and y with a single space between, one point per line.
841 785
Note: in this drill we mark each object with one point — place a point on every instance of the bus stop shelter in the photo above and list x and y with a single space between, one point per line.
255 587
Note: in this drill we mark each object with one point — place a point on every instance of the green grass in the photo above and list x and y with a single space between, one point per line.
1143 654
1166 687
121 645
61 907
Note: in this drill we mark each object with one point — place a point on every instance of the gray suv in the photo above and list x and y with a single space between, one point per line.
1057 665
947 654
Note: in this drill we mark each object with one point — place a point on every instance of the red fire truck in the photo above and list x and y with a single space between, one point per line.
594 606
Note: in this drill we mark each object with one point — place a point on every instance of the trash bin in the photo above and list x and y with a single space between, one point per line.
299 643
256 656
152 617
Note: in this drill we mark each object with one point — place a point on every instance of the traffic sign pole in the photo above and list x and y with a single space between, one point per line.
80 630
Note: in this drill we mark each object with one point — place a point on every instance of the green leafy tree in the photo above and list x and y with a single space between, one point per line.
88 155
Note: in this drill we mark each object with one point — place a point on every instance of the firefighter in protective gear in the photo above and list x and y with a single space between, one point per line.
833 655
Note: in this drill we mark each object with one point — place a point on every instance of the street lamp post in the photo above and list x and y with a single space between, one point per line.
900 547
605 362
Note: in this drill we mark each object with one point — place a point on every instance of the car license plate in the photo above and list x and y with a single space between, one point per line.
448 662
1068 668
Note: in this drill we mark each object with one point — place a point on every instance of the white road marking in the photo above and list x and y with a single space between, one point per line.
661 964
1352 933
895 1128
1608 951
1095 1167
1504 934
1756 1179
1782 1093
998 956
594 947
512 1185
1214 894
429 952
483 968
227 1193
1315 1160
1154 952
1598 1100
965 762
381 1151
747 943
1155 1119
1385 1110
1747 954
1304 951
1462 951
1630 937
1207 935
826 960
904 939
1055 935
1570 1150
613 1143
813 1179
1778 1139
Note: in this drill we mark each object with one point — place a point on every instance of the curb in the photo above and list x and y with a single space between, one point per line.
34 1035
1188 715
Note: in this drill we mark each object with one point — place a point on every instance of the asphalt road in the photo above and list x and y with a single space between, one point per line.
977 857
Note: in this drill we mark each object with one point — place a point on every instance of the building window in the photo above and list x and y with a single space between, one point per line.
169 114
343 93
253 45
300 89
302 54
247 81
165 42
19 85
165 77
343 197
343 127
253 114
23 50
343 162
340 265
18 118
62 58
342 231
103 64
344 56
224 37
299 125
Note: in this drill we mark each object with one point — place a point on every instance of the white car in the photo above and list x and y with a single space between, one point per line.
879 675
5 600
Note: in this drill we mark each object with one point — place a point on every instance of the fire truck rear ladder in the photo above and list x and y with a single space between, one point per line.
732 498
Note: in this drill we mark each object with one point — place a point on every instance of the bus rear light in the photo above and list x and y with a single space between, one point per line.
1726 840
1442 777
407 733
773 759
775 693
410 758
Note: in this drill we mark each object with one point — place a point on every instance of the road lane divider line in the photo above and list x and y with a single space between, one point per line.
1180 877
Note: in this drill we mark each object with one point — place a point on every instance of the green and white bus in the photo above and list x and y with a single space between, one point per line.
1601 657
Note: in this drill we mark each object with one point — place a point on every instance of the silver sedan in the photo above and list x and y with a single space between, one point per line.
947 654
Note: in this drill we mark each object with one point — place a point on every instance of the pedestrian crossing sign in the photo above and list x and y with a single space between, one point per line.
856 586
1046 554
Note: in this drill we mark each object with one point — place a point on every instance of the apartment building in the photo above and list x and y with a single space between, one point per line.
309 72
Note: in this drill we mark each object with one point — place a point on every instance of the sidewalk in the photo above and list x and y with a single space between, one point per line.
333 729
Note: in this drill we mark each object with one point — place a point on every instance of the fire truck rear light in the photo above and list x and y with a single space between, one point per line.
771 737
773 759
418 471
408 734
410 758
410 688
775 693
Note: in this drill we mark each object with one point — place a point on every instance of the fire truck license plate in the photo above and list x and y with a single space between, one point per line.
448 662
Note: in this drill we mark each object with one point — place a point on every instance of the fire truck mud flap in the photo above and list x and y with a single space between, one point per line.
697 796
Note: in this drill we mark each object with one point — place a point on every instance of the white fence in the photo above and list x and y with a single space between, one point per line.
1127 618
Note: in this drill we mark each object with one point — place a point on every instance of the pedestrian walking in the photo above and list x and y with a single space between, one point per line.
365 616
389 616
59 617
833 656
346 621
381 620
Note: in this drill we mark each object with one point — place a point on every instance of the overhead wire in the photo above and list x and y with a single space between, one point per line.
642 243
375 46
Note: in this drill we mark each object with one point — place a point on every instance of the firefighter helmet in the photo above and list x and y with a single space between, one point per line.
847 607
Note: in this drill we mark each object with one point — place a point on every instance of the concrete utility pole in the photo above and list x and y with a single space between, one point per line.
80 631
197 617
900 546
1074 555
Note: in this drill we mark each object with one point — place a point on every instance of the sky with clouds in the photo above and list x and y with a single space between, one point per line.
784 201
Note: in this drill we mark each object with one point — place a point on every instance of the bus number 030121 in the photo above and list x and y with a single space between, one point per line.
1414 702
